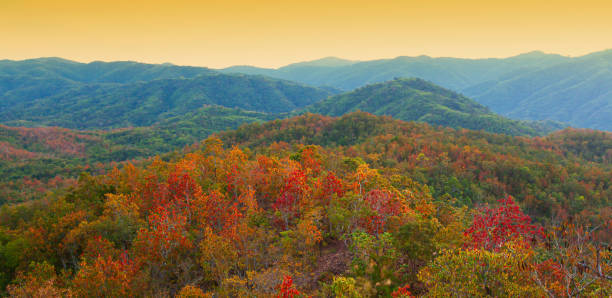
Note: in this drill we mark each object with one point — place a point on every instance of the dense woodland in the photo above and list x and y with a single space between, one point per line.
137 180
179 106
36 160
355 206
115 105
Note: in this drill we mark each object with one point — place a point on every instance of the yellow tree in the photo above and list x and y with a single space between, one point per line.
480 272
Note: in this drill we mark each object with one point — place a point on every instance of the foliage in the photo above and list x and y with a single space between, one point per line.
492 228
402 292
358 206
287 289
578 263
479 273
345 287
468 166
41 281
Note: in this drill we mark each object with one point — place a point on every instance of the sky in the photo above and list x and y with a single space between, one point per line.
272 33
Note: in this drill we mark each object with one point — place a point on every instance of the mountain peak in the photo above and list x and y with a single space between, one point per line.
605 54
47 60
532 53
535 55
324 62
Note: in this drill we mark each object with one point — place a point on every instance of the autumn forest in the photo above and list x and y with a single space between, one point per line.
294 149
354 206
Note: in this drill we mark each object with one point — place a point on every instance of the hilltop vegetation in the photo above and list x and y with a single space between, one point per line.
547 172
419 100
357 206
166 115
36 160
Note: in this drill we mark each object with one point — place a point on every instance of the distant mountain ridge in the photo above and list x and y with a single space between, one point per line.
97 71
453 73
530 86
578 92
106 95
57 92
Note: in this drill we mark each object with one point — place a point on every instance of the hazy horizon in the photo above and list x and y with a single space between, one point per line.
305 61
272 33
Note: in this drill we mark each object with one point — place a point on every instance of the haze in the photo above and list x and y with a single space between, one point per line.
273 33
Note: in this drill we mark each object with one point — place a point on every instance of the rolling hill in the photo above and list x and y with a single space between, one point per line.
54 92
37 159
321 199
419 100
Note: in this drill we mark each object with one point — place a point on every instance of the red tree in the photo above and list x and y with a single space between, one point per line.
383 204
403 292
287 289
293 192
494 227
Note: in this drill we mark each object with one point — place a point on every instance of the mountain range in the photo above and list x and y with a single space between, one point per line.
52 92
531 86
101 113
171 181
103 95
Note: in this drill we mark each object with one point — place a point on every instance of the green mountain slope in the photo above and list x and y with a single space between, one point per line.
531 86
27 80
53 92
578 92
97 72
419 100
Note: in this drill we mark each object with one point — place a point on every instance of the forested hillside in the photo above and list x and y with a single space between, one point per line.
36 160
165 115
356 206
419 100
548 171
258 172
53 92
155 109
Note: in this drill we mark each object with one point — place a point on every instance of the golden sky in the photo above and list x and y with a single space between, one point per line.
272 33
